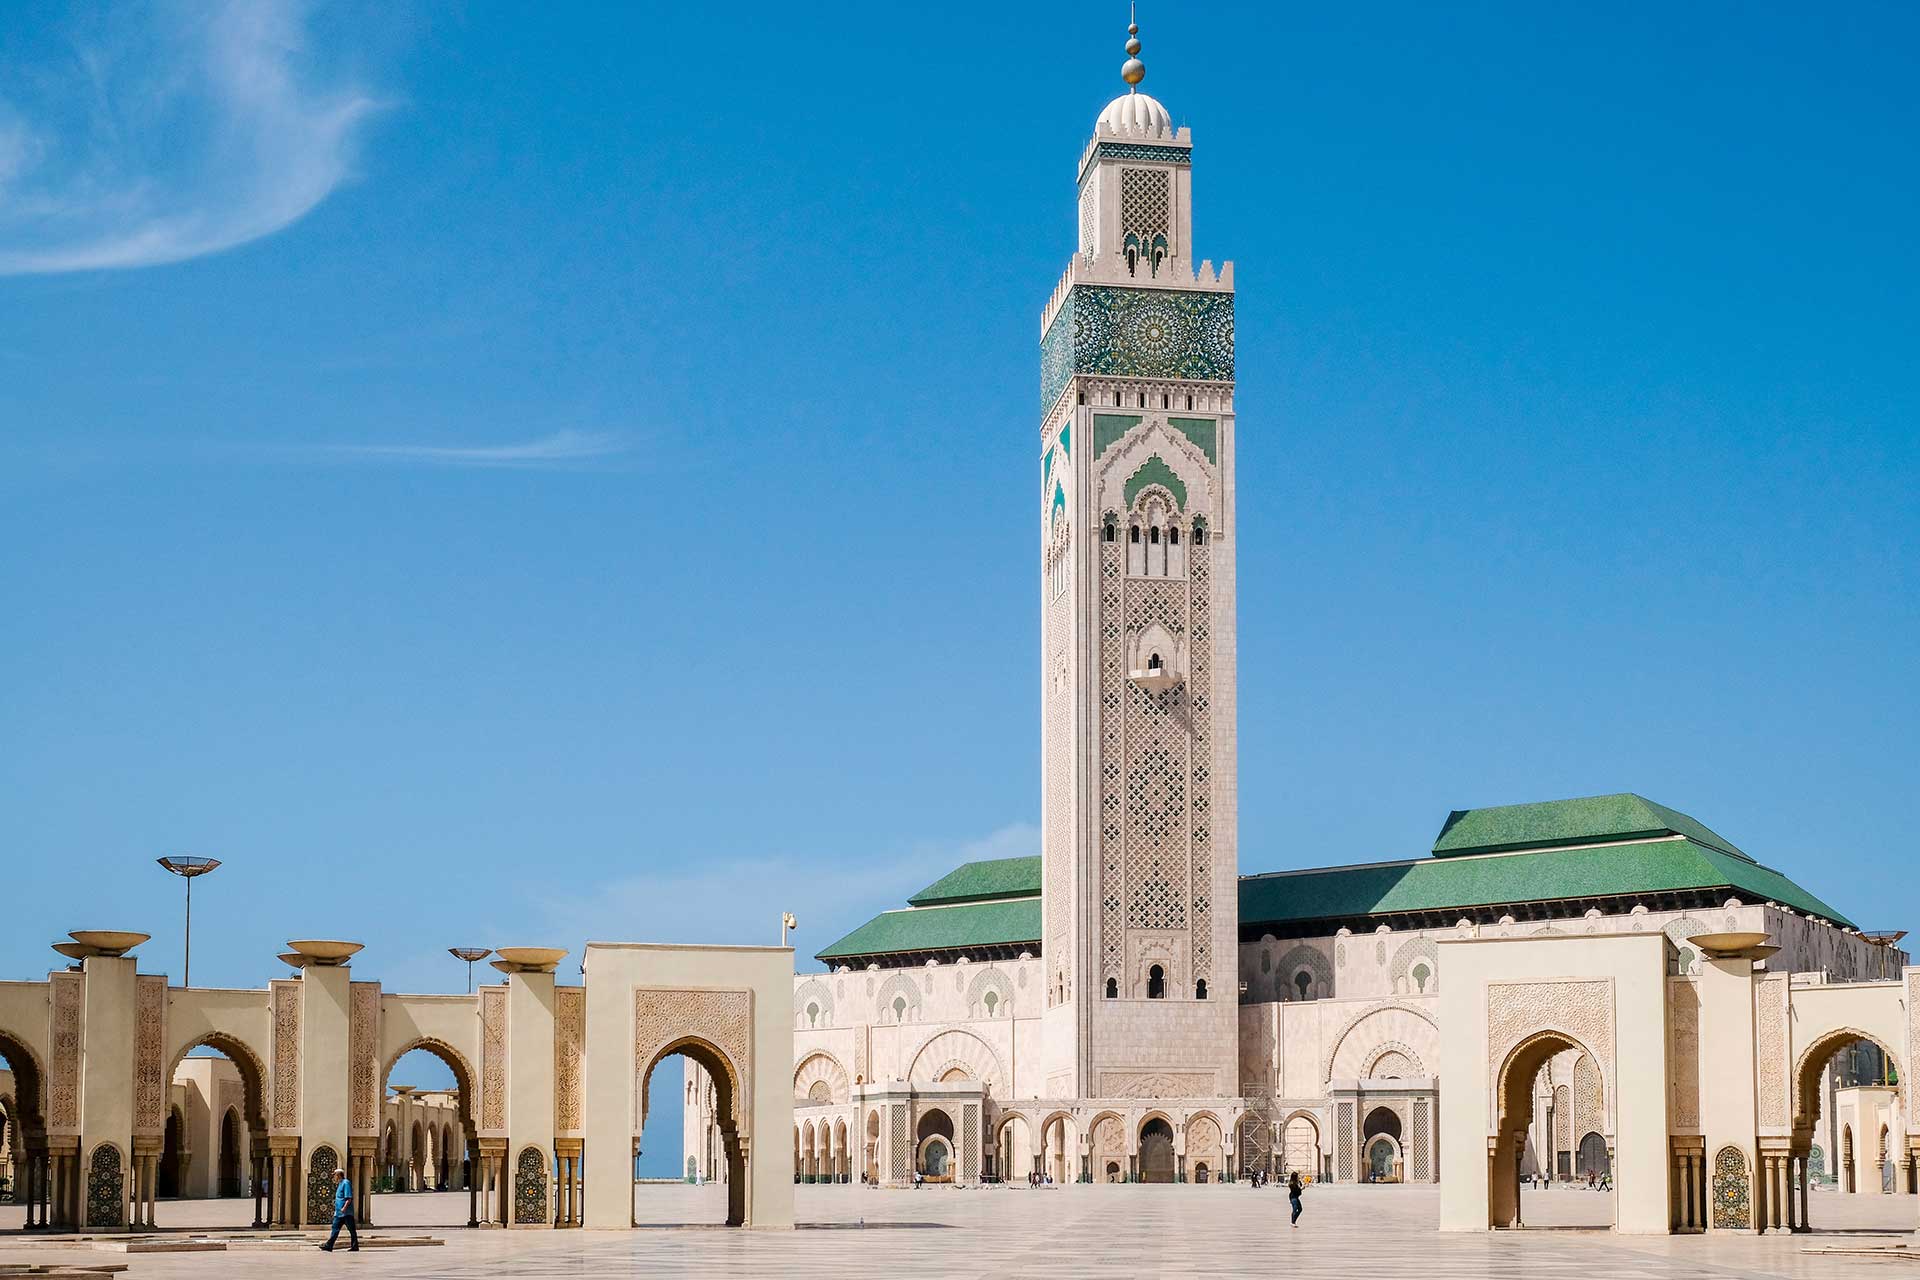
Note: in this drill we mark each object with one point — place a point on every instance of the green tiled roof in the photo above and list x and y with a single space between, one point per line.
1446 883
1589 820
980 881
976 924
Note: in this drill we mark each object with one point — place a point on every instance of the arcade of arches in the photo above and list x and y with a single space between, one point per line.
94 1140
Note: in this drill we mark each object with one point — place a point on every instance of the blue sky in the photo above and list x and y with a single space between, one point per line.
519 478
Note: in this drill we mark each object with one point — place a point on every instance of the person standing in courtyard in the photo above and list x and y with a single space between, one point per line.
343 1212
1294 1188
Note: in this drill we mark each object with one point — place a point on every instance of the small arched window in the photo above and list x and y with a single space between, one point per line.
899 1008
1304 981
1200 989
1108 531
1156 983
1133 533
1199 532
1113 988
1173 536
813 1015
1153 535
993 998
1153 663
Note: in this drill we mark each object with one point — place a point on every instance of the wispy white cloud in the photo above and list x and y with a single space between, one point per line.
559 448
166 132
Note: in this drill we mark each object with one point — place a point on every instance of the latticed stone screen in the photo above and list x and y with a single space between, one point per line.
1343 1141
1146 195
897 1140
970 1143
1420 1162
1087 223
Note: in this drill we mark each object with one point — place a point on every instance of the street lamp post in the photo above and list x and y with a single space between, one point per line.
787 922
187 869
469 954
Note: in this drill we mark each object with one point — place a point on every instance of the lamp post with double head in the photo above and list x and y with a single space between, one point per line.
469 954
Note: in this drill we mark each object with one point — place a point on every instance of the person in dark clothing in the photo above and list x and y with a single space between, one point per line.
1294 1188
343 1212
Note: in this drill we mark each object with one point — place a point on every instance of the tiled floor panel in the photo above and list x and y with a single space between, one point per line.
1092 1231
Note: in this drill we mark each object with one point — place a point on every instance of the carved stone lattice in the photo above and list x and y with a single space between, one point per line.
897 1140
1770 1034
1057 790
1200 762
1112 745
1145 197
1563 1119
970 1142
1589 1099
1683 999
63 1074
286 1055
149 1067
1343 1141
493 1058
1913 1049
363 1048
1157 863
569 1043
1732 1202
320 1184
1156 1084
530 1188
1580 1010
1087 222
106 1188
820 1070
663 1016
1332 1050
1420 1164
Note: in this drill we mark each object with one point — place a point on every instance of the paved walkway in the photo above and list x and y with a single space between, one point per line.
1111 1231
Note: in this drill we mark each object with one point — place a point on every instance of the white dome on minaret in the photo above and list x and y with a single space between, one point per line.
1133 112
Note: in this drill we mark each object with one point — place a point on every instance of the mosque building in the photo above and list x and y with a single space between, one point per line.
1129 1006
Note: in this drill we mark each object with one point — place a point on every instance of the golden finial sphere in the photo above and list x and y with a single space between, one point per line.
1133 71
1133 47
1133 28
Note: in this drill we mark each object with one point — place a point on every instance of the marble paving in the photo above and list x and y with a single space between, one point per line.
1107 1231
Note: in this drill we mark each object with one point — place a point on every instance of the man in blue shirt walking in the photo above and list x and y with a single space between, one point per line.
343 1212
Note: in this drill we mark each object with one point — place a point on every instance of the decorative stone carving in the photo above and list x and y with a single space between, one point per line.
493 1058
1913 1049
898 1000
1156 1084
1420 1167
106 1188
149 1066
812 1005
897 1140
664 1016
569 1045
1412 952
1771 1050
63 1070
821 1069
1579 1009
1392 1060
1343 1141
1683 999
286 1055
970 1142
363 1039
1732 1204
530 1188
320 1184
1334 1043
1304 957
954 1048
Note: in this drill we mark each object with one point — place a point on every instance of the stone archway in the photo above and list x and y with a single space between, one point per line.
1793 1184
727 1086
1156 1150
487 1175
250 1066
1513 1099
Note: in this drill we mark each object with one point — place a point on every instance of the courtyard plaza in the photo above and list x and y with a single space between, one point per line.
1231 1230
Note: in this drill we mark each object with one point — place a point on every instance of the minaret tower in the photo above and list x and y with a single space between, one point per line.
1139 825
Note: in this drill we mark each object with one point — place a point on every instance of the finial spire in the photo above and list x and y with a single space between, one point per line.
1133 71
